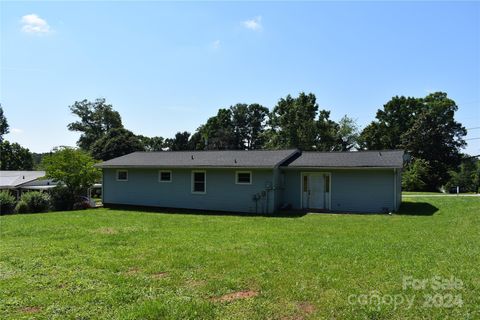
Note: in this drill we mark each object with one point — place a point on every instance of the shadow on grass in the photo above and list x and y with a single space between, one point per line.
286 214
417 209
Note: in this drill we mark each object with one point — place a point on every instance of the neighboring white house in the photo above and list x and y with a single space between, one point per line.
24 180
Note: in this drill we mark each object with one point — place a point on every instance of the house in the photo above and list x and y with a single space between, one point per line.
256 181
24 180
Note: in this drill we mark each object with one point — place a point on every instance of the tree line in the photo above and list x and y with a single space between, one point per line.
424 127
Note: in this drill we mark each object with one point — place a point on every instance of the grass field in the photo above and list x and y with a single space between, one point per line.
101 263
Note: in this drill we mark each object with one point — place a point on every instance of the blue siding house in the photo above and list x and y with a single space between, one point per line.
256 181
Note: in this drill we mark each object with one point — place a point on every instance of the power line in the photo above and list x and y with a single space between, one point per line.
473 128
473 138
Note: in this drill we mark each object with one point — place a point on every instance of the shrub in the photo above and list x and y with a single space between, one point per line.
415 176
7 202
34 202
62 199
22 207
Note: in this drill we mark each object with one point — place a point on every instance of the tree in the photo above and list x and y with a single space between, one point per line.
115 143
415 175
347 134
396 117
153 143
180 142
466 177
327 133
196 141
96 119
293 122
218 133
436 137
249 123
73 168
4 127
425 128
15 157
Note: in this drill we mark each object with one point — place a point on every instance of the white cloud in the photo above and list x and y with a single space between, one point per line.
33 24
16 131
254 24
216 44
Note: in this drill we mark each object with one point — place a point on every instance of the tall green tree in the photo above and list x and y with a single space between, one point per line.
196 141
4 127
293 122
436 137
249 122
14 157
218 132
396 117
347 134
327 133
180 142
152 143
117 142
425 128
73 168
96 119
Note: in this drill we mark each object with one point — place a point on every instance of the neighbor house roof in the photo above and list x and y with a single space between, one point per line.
201 159
387 159
13 179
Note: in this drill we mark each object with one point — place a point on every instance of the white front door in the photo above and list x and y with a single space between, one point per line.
317 191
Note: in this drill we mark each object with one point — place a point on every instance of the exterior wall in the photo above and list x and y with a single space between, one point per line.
399 188
222 193
277 188
360 190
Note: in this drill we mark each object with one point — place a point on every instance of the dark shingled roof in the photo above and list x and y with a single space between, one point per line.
257 159
387 159
201 159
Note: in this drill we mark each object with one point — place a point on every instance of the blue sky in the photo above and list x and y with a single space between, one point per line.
167 67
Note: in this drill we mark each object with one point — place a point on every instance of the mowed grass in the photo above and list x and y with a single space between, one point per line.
112 264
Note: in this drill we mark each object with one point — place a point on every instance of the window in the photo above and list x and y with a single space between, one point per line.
122 175
165 176
243 177
199 181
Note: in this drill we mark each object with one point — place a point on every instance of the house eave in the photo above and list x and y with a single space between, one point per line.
339 168
179 167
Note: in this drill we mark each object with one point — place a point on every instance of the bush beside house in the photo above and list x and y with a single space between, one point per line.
33 202
7 202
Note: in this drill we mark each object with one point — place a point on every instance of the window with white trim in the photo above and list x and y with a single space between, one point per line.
165 176
243 177
199 182
122 175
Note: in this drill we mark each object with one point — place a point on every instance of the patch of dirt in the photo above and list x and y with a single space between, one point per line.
159 275
106 231
236 296
306 307
31 309
132 271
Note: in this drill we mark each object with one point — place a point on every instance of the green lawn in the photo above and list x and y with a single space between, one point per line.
115 264
425 193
